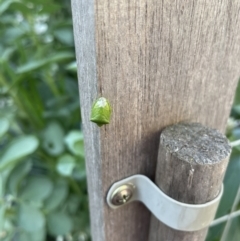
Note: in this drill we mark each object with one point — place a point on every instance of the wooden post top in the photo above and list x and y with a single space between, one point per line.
195 143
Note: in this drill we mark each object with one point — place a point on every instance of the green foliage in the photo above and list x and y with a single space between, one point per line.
59 223
42 173
30 218
74 142
65 165
4 125
231 180
19 148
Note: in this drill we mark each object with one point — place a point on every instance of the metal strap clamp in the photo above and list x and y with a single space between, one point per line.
177 215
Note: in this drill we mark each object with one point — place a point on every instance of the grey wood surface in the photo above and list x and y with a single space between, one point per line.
192 160
158 63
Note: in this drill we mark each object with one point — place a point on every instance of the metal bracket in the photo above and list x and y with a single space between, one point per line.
177 215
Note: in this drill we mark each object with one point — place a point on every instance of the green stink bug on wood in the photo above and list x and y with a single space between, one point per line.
101 112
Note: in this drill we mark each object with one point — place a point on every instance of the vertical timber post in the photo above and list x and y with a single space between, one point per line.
158 63
192 161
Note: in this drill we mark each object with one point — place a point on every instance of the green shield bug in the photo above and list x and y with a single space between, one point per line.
101 112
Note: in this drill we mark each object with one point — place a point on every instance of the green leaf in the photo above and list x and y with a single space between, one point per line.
22 8
215 232
19 148
61 56
36 64
237 95
74 142
234 232
37 189
4 126
2 213
6 54
13 33
236 109
72 66
57 102
236 133
73 203
231 184
47 6
30 218
65 165
9 237
5 5
32 65
38 235
57 196
79 171
17 175
23 236
59 223
53 139
64 35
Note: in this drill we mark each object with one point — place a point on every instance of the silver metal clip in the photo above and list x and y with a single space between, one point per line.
177 215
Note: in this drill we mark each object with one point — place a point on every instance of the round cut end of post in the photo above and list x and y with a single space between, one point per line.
195 143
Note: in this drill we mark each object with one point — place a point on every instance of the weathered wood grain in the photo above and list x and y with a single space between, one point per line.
192 161
158 62
84 28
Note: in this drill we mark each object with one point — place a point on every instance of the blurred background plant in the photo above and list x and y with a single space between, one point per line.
230 202
43 193
42 175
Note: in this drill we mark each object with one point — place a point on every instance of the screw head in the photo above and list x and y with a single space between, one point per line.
122 194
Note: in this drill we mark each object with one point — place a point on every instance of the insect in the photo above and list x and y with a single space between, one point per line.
101 112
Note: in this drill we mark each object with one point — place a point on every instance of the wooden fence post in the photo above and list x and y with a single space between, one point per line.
158 63
192 161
